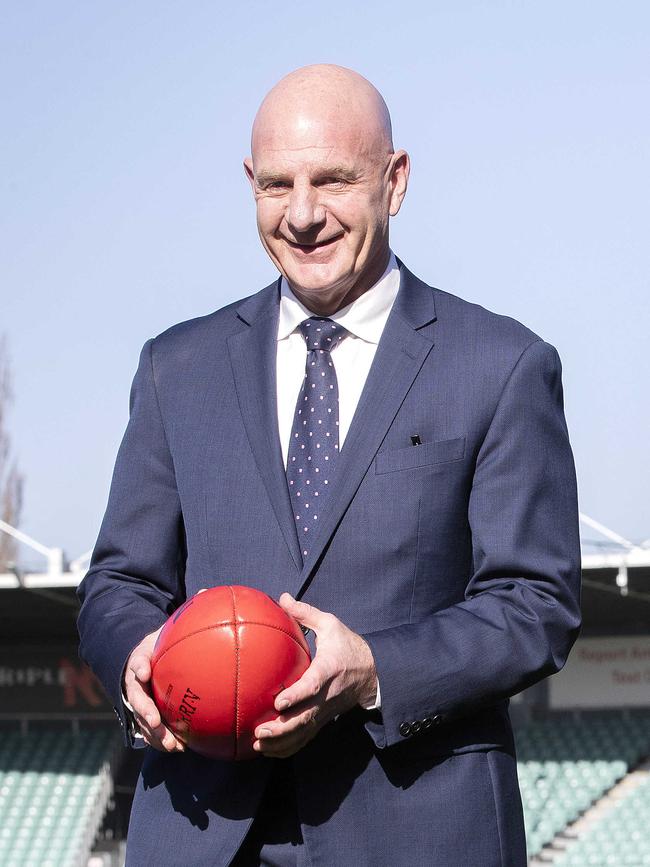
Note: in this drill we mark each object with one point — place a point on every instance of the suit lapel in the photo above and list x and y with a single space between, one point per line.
253 359
400 355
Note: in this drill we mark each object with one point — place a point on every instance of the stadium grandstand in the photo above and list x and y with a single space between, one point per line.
583 736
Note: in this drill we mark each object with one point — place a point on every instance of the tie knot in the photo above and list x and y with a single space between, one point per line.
322 334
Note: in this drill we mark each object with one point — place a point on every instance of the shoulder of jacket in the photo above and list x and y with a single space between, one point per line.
478 321
216 326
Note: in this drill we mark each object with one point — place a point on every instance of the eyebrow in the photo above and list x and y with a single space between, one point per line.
338 172
266 177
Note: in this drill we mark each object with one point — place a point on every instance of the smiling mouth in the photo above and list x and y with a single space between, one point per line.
311 248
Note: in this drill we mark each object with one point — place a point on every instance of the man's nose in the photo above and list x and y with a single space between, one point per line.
305 210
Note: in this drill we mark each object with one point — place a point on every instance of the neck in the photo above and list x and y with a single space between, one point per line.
336 299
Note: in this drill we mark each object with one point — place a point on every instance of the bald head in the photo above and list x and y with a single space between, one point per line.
326 180
324 95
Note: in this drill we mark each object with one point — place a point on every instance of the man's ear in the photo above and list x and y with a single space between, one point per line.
399 177
248 168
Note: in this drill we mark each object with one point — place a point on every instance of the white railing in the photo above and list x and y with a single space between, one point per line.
57 573
625 556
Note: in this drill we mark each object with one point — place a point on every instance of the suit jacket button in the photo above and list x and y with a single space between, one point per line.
415 727
427 722
404 729
436 719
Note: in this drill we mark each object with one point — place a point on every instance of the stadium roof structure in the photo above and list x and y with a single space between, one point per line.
612 559
615 564
58 572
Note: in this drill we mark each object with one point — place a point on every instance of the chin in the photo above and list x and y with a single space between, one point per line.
316 278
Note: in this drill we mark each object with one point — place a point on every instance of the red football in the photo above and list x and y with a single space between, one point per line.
218 664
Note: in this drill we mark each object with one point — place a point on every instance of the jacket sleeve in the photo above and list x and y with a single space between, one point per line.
521 611
136 573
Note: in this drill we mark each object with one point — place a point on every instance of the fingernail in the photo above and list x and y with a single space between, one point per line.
265 733
284 704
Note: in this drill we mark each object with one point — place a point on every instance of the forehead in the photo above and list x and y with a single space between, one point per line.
305 141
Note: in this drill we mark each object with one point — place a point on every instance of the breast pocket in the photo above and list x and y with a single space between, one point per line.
423 455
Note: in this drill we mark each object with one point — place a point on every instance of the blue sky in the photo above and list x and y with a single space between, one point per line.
124 208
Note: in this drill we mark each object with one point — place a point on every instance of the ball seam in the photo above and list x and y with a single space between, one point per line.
234 617
230 623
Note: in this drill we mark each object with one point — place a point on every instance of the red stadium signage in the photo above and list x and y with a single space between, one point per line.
39 680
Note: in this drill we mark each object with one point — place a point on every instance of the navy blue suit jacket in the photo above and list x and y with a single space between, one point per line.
457 559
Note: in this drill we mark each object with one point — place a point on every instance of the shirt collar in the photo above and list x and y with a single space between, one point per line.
365 317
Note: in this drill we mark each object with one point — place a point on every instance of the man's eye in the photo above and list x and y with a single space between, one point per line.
333 183
274 186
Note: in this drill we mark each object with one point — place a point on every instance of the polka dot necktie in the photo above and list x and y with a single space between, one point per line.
314 444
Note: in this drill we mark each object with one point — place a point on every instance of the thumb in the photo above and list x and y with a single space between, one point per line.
305 614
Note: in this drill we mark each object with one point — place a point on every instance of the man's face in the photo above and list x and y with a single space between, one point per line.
324 194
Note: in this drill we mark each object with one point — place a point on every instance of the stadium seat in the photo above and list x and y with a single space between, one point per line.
54 788
565 765
621 838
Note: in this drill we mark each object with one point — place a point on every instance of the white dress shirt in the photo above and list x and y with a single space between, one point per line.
364 319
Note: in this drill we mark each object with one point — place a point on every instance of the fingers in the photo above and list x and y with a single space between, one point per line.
140 665
306 688
307 615
137 677
136 682
159 737
139 697
288 723
139 662
148 717
310 710
283 737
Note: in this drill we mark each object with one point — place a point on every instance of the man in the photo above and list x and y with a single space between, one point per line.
395 458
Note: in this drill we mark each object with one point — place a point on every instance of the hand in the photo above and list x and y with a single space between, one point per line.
341 675
137 677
